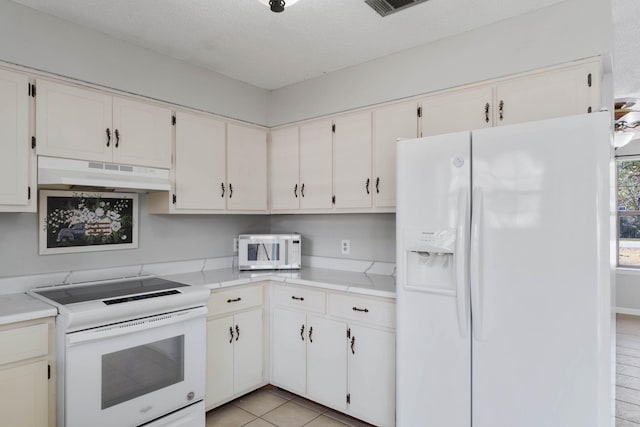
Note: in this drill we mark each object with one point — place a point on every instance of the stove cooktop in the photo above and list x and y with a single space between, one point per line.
136 289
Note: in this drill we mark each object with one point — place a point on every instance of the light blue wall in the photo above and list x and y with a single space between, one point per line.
161 238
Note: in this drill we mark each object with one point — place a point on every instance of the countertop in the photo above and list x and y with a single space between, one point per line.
347 281
18 307
21 307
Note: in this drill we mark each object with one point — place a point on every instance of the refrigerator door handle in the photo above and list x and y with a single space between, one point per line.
461 262
475 264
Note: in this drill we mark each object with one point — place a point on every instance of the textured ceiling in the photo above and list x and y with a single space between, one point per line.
244 40
626 52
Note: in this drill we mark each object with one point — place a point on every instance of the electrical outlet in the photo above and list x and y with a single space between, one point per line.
346 247
235 245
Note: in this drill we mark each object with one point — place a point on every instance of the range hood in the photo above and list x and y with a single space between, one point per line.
56 173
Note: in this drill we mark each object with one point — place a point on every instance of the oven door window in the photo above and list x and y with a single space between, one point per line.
133 372
263 251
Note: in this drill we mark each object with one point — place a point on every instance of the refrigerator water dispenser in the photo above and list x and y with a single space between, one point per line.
429 260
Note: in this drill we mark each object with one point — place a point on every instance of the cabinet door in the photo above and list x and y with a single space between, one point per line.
24 396
316 165
73 122
14 139
283 167
246 168
288 350
389 124
456 110
352 157
142 132
327 361
200 162
247 356
372 375
563 92
219 382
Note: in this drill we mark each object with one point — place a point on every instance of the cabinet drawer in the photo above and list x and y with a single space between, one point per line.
304 299
24 343
363 309
234 299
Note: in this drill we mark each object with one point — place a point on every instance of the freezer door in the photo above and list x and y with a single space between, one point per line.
433 337
540 274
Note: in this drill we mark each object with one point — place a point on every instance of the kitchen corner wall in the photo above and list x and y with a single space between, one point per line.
161 238
372 236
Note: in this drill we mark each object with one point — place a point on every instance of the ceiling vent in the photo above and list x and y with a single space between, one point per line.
387 7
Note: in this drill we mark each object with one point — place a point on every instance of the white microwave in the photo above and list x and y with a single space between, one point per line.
269 251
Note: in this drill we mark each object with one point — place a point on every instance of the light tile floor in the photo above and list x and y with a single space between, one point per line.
271 406
627 371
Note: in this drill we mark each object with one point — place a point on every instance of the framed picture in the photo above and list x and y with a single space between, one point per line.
72 221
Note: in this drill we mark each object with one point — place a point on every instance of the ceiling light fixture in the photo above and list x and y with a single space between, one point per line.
278 5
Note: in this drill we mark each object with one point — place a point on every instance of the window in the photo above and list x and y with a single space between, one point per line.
628 199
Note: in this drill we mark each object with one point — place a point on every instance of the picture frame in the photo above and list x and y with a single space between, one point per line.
86 221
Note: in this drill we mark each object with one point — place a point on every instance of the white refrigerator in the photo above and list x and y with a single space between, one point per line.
504 276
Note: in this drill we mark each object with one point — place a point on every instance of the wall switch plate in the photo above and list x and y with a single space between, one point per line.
346 247
235 245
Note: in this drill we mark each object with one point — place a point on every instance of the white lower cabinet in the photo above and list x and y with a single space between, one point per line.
23 395
372 375
342 358
289 349
327 362
234 345
26 386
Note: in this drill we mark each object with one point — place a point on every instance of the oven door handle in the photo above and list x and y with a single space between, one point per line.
136 325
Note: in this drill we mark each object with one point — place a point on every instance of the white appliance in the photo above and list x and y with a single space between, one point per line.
269 251
503 284
129 352
60 173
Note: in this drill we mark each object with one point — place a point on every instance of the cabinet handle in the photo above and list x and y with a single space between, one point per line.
365 310
302 190
295 191
378 185
297 298
302 332
486 112
231 333
237 332
234 300
501 109
222 186
310 332
108 137
353 343
367 185
117 133
230 190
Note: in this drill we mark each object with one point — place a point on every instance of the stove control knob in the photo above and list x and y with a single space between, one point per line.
191 395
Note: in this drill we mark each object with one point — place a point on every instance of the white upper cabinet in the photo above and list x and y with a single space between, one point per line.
456 110
142 133
84 124
200 162
390 123
555 93
73 123
284 169
352 159
316 165
15 147
246 168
